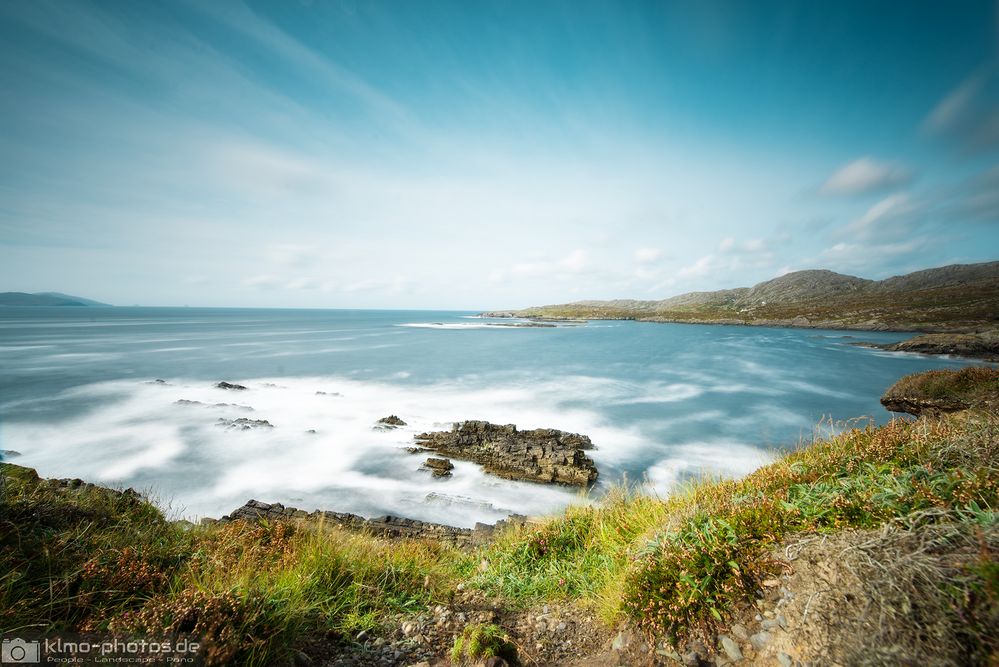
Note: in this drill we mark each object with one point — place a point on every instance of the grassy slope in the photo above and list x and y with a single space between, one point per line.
86 558
954 308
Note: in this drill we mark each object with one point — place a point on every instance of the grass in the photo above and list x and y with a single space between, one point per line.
974 385
482 641
85 558
88 559
678 567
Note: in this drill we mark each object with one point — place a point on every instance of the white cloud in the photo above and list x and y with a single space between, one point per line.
955 107
866 175
648 255
574 263
889 218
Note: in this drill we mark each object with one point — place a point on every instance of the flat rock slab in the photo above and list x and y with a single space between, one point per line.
542 455
392 527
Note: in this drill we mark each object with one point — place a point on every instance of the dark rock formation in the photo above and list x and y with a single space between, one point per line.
229 385
389 422
542 455
439 467
8 453
244 424
976 346
392 527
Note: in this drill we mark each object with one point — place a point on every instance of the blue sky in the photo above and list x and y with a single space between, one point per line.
488 154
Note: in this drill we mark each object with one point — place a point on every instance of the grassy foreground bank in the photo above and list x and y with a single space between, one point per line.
79 557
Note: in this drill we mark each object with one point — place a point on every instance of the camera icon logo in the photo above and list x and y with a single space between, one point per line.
18 652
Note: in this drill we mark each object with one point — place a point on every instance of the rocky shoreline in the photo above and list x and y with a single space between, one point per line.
979 345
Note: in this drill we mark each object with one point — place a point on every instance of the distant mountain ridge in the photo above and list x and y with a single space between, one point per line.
46 299
958 297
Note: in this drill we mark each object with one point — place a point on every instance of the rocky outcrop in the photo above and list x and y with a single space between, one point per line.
389 422
932 393
229 385
541 455
387 526
439 467
975 346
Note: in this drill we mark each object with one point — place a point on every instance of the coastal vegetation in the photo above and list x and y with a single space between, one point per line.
916 497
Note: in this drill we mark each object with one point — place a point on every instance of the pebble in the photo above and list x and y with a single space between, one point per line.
730 647
621 641
782 621
768 614
739 630
785 660
770 624
759 640
561 626
758 617
771 583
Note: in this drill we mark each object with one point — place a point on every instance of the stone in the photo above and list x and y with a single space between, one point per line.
760 640
739 630
230 386
730 647
391 421
301 659
770 624
782 621
439 467
539 455
622 641
785 660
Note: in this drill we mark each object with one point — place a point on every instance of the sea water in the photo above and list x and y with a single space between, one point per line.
79 397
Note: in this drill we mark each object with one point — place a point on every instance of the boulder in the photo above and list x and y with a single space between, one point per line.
540 455
389 422
229 385
439 467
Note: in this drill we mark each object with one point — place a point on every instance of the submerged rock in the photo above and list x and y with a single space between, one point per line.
541 455
229 385
244 424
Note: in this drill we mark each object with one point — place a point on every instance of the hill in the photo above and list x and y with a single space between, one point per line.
45 299
959 297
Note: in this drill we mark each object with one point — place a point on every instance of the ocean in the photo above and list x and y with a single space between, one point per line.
80 397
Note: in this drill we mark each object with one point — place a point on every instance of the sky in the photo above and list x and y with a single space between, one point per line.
481 155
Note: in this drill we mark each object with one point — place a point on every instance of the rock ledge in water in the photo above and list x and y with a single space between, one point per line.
541 455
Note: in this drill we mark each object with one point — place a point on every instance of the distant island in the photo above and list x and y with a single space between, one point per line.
46 299
960 298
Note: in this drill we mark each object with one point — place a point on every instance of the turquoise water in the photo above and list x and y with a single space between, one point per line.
660 401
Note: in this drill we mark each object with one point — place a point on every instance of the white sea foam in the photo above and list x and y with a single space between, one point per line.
140 436
721 457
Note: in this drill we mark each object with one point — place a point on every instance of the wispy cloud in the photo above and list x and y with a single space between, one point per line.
969 114
866 175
